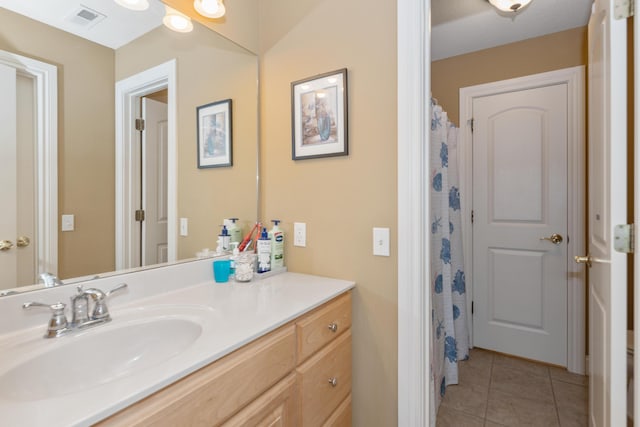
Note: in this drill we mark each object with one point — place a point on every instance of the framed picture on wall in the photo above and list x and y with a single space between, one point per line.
319 116
214 135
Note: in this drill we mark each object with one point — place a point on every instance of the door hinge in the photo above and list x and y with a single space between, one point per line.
624 238
470 122
472 216
140 215
623 9
139 124
471 307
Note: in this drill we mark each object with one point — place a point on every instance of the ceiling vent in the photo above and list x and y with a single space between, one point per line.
85 17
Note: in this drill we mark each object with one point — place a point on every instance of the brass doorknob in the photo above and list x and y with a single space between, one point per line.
23 241
584 260
555 238
5 245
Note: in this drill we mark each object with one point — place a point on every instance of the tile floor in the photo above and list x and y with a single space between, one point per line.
497 390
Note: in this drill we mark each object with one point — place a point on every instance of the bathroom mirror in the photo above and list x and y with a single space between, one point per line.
208 68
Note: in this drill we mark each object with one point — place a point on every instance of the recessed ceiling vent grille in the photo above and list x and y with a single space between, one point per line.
85 17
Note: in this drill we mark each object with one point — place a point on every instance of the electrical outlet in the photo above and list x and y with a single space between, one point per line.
300 234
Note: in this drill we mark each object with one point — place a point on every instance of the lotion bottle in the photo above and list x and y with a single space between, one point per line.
277 245
264 252
234 231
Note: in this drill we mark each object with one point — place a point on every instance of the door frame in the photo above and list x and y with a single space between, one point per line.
128 93
574 78
45 77
414 300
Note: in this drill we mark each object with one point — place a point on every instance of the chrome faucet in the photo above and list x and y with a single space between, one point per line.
80 318
50 280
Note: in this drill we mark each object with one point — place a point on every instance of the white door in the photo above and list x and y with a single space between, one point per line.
154 189
607 207
520 223
17 166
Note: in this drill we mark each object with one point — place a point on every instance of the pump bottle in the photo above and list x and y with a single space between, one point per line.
277 245
264 252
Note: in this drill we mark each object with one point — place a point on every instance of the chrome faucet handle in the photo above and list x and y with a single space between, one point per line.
120 287
58 322
100 310
50 280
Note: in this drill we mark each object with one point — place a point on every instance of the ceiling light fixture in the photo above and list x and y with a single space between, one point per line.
134 4
177 21
210 8
510 6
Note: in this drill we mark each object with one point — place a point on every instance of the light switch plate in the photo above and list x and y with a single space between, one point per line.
300 234
184 226
68 223
381 241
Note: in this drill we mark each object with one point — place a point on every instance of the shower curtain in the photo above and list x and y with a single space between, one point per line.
449 336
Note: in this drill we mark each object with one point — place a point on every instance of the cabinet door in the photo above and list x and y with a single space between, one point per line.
342 416
319 328
275 408
325 381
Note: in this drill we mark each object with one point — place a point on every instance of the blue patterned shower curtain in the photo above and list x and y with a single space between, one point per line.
450 335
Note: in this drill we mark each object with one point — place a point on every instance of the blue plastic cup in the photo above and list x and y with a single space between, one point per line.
221 270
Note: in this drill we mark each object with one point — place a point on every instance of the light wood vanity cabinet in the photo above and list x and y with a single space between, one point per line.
297 375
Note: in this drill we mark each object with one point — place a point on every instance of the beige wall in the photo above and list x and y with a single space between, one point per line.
342 198
552 52
209 68
85 138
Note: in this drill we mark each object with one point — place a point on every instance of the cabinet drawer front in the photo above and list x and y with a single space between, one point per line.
323 325
275 408
318 396
214 393
342 416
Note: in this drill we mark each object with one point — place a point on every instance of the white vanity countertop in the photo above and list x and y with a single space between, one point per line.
241 312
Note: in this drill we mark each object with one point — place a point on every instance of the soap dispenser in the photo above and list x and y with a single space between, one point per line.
224 239
277 245
264 252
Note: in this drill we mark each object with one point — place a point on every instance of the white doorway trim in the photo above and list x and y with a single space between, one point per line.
414 320
128 91
576 175
45 78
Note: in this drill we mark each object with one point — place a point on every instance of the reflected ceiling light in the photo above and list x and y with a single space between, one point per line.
509 5
177 21
134 4
210 8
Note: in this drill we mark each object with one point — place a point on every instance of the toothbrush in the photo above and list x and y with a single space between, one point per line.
247 239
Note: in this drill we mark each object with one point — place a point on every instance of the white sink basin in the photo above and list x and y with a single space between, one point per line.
81 361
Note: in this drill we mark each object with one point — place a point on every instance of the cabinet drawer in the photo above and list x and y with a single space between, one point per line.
342 416
275 408
318 397
214 393
321 326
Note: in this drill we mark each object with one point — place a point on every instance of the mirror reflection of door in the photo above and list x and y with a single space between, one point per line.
151 235
18 262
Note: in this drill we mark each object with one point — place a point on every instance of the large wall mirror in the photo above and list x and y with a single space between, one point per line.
207 67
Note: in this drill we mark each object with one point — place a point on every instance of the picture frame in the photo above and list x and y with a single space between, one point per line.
214 132
319 119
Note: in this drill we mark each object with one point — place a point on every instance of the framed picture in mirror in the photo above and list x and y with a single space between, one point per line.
214 135
319 116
